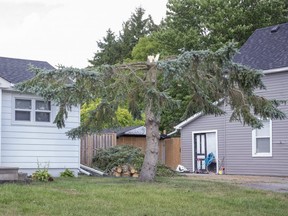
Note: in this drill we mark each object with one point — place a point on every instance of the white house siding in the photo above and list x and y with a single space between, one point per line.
31 146
235 140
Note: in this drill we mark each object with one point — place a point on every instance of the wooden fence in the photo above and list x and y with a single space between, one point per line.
90 144
169 149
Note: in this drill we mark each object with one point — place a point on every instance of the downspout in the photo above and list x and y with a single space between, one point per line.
173 132
84 172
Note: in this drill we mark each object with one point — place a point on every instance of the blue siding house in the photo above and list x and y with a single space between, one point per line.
240 149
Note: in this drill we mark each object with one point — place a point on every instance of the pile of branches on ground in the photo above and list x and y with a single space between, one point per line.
125 161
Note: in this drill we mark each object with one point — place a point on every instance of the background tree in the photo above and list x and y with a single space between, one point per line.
108 52
145 46
123 116
212 76
117 49
208 24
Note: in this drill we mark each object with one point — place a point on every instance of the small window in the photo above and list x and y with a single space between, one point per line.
262 140
32 110
43 111
23 109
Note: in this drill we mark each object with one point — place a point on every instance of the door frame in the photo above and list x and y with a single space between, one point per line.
193 145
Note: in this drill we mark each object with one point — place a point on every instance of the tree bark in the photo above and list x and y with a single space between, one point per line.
148 170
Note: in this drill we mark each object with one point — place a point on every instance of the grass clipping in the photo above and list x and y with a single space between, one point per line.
108 159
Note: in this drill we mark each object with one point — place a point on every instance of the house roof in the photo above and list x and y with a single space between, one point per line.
131 130
266 48
17 70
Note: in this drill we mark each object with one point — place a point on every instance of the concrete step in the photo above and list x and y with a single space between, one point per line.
9 173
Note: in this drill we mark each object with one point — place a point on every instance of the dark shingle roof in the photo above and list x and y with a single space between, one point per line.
264 49
17 70
130 131
120 131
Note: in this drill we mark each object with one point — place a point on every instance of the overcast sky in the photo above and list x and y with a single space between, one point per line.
64 31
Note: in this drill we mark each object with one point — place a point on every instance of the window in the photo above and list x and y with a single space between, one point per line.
23 110
43 111
32 110
262 140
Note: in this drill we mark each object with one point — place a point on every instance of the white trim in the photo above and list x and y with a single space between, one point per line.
216 140
187 121
254 154
275 70
194 117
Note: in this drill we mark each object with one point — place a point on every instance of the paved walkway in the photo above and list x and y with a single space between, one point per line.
276 184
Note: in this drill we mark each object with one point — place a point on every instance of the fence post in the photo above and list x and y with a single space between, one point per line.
89 154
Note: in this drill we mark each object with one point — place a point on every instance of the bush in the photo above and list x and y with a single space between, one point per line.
67 173
42 175
106 159
165 171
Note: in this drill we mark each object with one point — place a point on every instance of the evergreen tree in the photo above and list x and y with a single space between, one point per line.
212 76
209 24
116 49
109 50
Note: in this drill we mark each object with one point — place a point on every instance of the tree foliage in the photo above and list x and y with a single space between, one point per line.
108 52
123 116
116 49
209 24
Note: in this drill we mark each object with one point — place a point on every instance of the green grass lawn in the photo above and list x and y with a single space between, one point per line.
115 196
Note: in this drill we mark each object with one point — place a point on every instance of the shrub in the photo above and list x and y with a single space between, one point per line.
165 171
67 173
42 175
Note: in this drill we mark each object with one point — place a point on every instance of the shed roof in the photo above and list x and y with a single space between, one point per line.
17 70
131 130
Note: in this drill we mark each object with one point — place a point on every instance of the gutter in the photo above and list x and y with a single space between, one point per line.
275 70
173 132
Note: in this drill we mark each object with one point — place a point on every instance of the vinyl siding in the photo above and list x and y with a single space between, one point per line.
28 146
235 140
209 122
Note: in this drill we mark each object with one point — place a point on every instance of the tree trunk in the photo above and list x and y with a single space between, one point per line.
148 170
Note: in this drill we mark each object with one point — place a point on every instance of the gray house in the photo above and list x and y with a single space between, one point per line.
237 148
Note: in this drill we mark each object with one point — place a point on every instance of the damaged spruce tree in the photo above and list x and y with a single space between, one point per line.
144 87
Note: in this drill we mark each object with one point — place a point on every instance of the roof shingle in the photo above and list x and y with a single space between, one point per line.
265 50
17 70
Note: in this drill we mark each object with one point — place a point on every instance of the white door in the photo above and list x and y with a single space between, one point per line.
204 143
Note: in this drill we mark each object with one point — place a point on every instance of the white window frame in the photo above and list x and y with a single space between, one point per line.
41 111
32 112
254 137
23 110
